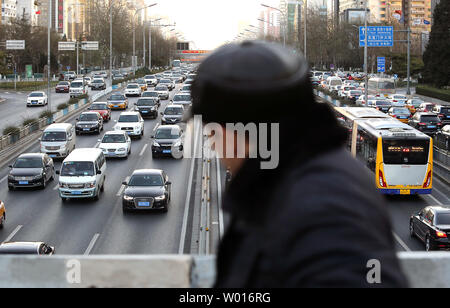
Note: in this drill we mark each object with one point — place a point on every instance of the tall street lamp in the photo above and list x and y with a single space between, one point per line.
134 34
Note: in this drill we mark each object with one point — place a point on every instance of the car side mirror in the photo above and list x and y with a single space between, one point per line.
57 172
168 183
99 172
125 183
10 166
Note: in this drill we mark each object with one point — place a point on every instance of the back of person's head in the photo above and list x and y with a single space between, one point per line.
253 81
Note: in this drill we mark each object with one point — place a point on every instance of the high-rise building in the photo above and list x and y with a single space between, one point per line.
417 15
9 10
29 10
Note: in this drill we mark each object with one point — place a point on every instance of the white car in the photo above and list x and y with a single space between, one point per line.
130 122
87 81
133 89
182 99
163 91
115 144
151 80
37 99
398 100
77 88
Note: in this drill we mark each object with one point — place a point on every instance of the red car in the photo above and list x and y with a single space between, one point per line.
62 87
103 109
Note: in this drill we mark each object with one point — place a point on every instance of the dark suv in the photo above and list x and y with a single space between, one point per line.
443 113
426 122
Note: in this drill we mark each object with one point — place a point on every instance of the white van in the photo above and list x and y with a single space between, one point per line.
82 174
58 140
333 81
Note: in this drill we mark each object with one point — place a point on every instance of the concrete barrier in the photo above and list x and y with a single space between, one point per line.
423 270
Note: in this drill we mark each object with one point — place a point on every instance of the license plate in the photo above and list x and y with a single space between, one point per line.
405 191
23 182
431 126
144 204
448 117
167 151
52 155
86 129
76 192
143 111
116 106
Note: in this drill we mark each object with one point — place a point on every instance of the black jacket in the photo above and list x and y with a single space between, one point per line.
315 221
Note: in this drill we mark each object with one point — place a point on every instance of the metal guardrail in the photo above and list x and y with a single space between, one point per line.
442 164
12 138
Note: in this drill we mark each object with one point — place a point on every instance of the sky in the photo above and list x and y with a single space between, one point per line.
209 23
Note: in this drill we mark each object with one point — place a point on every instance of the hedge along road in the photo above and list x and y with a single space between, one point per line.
14 110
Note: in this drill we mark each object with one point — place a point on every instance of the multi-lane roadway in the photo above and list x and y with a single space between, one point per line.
89 227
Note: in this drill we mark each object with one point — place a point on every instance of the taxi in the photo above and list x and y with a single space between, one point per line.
117 101
142 84
2 214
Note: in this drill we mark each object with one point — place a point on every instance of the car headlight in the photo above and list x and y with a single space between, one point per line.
37 177
121 149
89 185
137 128
177 144
127 198
156 144
11 177
63 185
160 198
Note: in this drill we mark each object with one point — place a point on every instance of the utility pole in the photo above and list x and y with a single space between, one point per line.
306 14
366 79
110 38
49 15
150 45
408 89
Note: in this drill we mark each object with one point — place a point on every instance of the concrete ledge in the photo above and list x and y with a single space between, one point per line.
423 270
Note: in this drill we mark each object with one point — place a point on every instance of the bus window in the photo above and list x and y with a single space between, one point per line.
406 152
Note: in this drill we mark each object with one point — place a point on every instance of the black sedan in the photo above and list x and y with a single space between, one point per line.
98 84
31 170
147 189
432 226
148 107
89 122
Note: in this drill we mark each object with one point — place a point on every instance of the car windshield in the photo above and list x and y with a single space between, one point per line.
133 86
160 89
97 81
63 84
54 136
88 117
382 103
37 95
443 219
165 81
429 118
445 110
182 98
117 97
76 84
146 102
28 163
173 111
149 94
99 107
80 168
167 134
401 111
146 180
114 138
128 118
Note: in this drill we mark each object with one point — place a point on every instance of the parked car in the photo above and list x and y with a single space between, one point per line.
432 226
31 170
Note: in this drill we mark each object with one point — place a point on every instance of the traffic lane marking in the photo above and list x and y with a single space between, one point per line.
92 244
16 230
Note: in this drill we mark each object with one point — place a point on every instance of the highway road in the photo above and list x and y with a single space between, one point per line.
89 227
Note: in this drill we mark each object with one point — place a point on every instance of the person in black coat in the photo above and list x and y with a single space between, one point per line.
315 220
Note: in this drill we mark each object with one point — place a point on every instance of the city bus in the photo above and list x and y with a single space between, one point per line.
400 157
381 86
176 63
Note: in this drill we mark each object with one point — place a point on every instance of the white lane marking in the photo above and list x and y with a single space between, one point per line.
16 230
435 200
97 144
3 179
143 149
92 244
122 188
188 194
56 187
399 240
441 193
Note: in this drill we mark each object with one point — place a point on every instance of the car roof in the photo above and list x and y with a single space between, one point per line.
116 132
426 113
440 209
58 126
83 154
130 113
147 171
99 103
20 247
167 127
31 155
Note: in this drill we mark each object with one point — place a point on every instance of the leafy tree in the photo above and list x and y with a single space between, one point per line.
437 54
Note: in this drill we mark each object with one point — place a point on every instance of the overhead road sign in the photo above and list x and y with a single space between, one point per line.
377 36
15 45
66 46
89 45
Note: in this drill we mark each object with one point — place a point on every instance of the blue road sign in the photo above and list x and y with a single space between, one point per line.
378 36
395 76
381 64
68 68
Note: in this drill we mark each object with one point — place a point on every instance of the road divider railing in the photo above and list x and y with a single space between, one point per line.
205 210
441 165
18 133
422 270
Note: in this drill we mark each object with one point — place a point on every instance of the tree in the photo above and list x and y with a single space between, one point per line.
437 54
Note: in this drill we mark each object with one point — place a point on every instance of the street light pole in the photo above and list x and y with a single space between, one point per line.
48 54
366 85
306 14
110 38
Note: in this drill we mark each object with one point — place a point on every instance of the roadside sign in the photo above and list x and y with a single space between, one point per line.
68 68
66 46
381 64
29 70
377 36
89 45
395 76
15 45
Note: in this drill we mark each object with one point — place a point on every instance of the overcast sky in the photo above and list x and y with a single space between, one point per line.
209 23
